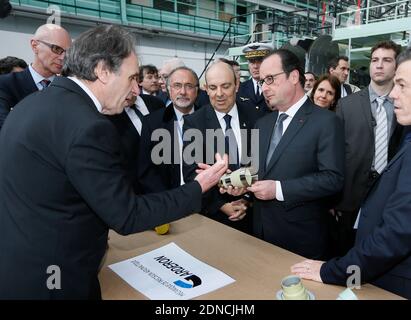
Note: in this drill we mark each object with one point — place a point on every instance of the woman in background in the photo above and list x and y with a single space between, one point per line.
326 92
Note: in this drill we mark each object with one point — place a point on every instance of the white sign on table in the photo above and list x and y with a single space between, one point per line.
170 273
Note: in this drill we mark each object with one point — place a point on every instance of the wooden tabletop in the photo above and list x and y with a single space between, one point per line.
257 266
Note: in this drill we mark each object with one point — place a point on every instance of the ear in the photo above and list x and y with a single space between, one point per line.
295 76
102 73
34 44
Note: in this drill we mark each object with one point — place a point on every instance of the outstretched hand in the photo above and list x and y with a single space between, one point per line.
208 176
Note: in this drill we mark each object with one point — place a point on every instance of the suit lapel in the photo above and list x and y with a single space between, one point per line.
72 86
26 82
398 155
298 121
244 125
266 126
365 106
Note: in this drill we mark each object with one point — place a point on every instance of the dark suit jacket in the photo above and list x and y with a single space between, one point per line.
63 186
153 103
130 140
355 112
257 106
202 98
167 174
382 249
309 163
14 87
130 144
203 119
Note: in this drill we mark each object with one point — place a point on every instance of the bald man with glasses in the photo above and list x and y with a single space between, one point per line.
49 45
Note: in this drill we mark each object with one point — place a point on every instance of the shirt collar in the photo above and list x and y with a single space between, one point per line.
37 77
233 113
374 95
88 91
180 115
294 108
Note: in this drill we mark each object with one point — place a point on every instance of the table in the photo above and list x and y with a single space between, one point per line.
257 266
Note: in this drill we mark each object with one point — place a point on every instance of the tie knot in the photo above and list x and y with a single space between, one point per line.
227 119
380 102
282 117
45 83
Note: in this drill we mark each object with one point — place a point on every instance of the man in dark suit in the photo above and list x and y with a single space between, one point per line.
360 119
62 181
382 251
182 87
301 156
165 71
249 92
340 68
224 117
129 125
49 45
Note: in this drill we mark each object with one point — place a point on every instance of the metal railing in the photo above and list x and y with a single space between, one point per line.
138 15
372 14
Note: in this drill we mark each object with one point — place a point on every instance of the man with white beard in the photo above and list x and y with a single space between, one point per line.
182 88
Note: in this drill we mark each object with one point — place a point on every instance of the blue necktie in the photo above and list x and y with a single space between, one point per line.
276 137
231 146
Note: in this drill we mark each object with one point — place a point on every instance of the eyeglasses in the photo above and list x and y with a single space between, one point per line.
187 86
53 47
269 79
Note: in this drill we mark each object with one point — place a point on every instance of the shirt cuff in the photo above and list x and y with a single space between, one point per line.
278 191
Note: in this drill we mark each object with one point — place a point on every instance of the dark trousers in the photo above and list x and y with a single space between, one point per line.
342 232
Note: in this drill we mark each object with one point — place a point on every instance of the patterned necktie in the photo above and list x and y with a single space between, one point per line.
276 137
381 136
257 92
231 144
44 83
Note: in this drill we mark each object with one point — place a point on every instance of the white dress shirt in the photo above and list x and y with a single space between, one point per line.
134 119
37 77
235 126
180 123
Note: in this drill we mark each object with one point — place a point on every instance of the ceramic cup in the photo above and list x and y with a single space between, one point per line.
293 289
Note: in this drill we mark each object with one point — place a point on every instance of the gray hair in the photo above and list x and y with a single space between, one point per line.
404 56
107 43
183 68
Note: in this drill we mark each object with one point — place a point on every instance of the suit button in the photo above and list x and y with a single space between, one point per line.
257 107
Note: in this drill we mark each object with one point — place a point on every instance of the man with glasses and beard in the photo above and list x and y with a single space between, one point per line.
49 45
182 88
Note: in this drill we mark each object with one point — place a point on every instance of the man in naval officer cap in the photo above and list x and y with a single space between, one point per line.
249 92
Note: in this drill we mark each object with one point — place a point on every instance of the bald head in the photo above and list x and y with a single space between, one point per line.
221 86
47 31
49 45
221 66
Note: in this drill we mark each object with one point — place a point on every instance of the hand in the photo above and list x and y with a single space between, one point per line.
235 210
233 191
263 190
308 269
208 176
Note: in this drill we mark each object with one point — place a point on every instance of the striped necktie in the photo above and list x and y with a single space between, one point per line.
381 136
